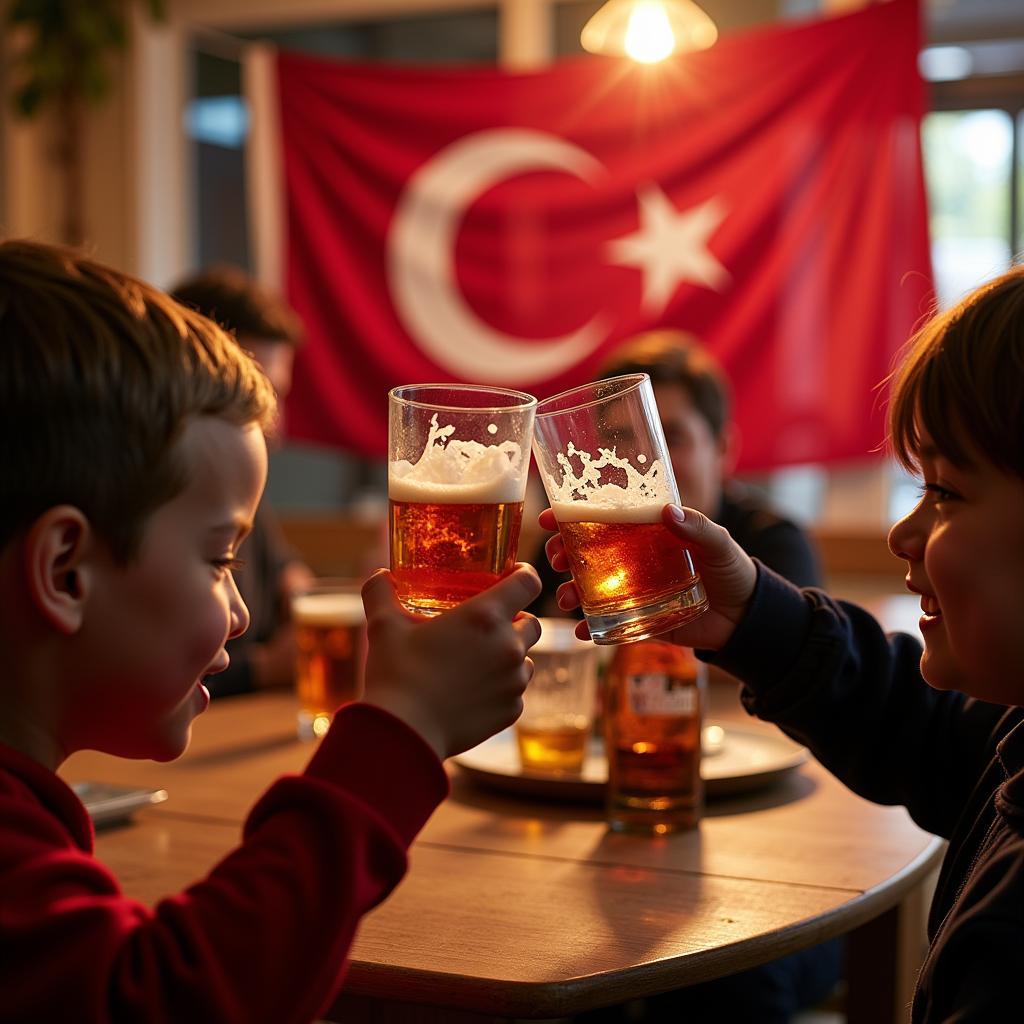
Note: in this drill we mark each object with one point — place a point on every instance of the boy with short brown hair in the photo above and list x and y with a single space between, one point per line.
131 462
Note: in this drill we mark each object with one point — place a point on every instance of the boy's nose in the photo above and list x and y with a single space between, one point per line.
239 613
907 537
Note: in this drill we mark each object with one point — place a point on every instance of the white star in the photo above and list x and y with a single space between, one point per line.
670 247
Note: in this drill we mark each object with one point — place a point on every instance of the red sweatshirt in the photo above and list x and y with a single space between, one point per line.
264 937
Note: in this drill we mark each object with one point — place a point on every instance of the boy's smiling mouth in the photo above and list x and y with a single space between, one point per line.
931 611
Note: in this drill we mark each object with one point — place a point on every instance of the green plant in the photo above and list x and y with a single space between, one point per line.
64 63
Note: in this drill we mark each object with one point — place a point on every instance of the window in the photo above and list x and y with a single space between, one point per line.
968 170
973 146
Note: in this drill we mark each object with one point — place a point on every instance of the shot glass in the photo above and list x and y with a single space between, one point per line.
457 463
604 464
560 700
330 633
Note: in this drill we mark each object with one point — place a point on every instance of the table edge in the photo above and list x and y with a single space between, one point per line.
540 1000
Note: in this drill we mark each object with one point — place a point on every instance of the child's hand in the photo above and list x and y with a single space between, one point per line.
725 568
458 678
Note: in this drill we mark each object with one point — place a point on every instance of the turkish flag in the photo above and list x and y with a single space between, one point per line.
474 225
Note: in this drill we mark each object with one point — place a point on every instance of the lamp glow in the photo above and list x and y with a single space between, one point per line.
648 30
649 36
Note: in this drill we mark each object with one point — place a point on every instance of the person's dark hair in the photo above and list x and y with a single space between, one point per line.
232 299
962 380
674 357
99 373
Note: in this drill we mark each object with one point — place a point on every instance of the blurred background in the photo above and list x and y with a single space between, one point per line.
153 160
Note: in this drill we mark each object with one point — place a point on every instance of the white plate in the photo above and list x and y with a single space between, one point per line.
746 759
109 804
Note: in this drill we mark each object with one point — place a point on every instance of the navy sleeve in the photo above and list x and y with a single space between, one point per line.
826 673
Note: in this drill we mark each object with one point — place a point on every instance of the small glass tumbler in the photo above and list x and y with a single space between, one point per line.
330 633
559 703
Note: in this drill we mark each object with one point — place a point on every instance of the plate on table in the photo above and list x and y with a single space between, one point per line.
108 804
736 760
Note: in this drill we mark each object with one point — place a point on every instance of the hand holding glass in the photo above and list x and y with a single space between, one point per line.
606 471
457 462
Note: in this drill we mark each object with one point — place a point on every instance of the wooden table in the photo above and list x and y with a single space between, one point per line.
515 908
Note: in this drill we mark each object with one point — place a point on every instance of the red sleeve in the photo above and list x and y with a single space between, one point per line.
263 938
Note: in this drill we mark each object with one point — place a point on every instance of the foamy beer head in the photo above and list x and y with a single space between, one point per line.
605 469
330 628
456 483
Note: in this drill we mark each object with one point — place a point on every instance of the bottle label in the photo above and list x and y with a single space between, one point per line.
654 693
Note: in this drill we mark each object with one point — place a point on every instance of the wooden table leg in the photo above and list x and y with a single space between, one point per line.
871 970
883 958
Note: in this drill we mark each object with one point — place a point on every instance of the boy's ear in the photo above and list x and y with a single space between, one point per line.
57 578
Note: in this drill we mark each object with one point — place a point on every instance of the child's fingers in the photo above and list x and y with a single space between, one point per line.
688 524
554 548
547 520
380 601
568 596
509 595
528 627
695 528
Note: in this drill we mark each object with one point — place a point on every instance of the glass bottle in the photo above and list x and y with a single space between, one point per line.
652 728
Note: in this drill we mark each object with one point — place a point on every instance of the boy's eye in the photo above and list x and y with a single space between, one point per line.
228 563
937 492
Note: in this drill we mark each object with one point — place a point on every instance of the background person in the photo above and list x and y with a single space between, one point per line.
271 572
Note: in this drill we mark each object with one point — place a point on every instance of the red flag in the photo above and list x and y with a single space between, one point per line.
476 225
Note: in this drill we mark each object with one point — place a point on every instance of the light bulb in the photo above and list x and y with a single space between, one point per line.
648 30
649 36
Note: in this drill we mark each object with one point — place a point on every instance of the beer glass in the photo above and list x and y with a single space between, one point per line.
606 471
559 703
330 633
457 461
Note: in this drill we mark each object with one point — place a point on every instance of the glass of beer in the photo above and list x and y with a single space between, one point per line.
559 703
330 633
457 461
606 471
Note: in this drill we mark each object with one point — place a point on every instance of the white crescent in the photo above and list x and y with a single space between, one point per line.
421 258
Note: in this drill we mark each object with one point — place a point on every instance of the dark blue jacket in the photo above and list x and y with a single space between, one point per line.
825 672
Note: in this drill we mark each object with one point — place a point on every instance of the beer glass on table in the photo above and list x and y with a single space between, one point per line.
606 471
458 455
559 703
330 633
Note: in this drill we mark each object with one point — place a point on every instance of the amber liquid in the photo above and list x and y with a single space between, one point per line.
619 566
443 554
329 671
652 738
556 747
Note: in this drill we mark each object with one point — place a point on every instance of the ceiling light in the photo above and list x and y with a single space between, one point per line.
648 30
